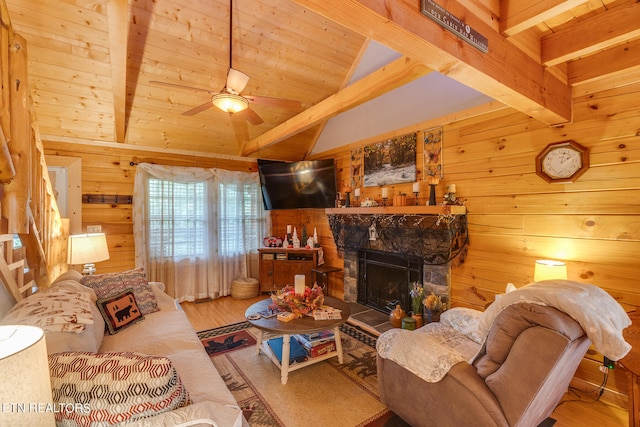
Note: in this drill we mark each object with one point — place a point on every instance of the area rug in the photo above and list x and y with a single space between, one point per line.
326 393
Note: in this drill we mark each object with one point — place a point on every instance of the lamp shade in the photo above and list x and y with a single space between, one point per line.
87 248
25 389
548 269
236 80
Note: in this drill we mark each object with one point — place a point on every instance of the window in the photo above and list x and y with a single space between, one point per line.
241 219
197 229
177 218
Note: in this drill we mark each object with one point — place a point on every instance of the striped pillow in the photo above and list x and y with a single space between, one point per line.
110 284
106 389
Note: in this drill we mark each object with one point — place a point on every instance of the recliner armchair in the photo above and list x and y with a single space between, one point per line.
518 377
506 366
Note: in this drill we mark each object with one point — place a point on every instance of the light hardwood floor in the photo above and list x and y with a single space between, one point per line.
226 310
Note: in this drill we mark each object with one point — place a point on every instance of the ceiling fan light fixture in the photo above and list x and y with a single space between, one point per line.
236 81
230 103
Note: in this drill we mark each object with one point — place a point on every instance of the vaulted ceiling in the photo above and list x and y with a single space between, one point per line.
109 72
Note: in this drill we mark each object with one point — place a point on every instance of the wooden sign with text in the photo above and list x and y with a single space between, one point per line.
458 27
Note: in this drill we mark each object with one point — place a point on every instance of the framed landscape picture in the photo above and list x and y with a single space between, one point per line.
390 162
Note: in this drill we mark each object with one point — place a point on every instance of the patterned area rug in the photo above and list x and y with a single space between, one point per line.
326 393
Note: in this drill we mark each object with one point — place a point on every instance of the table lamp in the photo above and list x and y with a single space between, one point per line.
548 269
25 389
87 249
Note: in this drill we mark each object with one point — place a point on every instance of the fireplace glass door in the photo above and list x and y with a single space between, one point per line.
384 279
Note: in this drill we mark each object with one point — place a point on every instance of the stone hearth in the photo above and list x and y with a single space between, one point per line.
438 239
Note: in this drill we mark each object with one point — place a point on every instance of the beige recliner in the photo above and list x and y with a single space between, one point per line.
519 376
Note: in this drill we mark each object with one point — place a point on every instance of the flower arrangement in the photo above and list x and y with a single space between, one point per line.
434 303
417 294
286 299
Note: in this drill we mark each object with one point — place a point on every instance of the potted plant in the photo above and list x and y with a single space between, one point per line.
434 307
417 295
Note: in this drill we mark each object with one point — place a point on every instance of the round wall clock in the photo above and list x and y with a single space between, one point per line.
562 161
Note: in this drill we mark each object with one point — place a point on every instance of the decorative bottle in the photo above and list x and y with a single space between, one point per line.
396 316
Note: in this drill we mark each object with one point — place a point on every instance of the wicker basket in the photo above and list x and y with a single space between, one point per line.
244 288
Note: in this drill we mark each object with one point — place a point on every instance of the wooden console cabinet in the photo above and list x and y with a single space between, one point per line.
278 266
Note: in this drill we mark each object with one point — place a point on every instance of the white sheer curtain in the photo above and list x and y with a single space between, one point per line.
197 229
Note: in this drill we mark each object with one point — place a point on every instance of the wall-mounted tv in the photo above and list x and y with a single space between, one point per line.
299 185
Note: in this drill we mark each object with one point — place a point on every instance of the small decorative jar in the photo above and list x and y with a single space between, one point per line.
396 316
400 200
409 323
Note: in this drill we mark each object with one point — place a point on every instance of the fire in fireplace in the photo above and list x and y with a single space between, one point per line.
384 278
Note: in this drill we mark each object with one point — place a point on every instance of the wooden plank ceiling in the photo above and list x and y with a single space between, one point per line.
92 64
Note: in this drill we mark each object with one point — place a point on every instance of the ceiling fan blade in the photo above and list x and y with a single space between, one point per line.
250 116
275 102
155 82
198 109
240 128
236 80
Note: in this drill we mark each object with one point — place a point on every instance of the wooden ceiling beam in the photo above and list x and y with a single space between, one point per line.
591 35
619 59
517 16
391 76
118 18
345 82
505 72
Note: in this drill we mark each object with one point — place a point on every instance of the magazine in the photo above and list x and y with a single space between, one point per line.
269 313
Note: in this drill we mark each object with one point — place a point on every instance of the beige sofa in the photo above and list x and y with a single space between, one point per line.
507 366
164 332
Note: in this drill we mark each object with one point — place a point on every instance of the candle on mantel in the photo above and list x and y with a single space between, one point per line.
299 284
356 192
452 188
385 193
288 229
416 187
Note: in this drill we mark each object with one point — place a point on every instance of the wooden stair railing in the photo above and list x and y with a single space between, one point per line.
12 272
27 200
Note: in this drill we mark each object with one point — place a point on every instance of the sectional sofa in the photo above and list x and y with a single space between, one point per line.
122 352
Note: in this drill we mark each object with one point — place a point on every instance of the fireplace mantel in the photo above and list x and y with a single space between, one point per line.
400 210
436 238
435 234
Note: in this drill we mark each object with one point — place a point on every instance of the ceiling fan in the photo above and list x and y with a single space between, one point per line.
229 99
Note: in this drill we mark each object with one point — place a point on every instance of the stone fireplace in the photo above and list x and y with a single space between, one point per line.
421 247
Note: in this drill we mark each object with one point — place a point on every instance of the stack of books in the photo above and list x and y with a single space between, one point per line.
318 343
297 353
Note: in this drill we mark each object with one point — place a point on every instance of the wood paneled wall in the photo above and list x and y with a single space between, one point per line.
108 171
515 217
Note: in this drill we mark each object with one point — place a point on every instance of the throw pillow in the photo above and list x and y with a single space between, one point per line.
110 284
68 275
62 336
57 309
111 388
120 311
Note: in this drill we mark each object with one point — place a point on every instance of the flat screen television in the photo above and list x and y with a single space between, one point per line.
306 184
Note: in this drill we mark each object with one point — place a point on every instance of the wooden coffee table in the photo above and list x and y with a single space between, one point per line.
269 328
